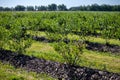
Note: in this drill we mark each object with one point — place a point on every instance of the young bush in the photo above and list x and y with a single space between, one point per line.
71 52
14 39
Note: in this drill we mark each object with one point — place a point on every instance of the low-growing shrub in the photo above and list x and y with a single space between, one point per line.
71 52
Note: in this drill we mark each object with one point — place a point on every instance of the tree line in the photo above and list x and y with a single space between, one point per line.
62 7
96 7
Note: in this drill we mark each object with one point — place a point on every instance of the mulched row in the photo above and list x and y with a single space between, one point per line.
55 69
114 49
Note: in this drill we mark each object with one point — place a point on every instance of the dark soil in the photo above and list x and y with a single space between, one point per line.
55 69
115 49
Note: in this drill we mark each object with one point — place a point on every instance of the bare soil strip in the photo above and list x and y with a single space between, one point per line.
114 49
55 69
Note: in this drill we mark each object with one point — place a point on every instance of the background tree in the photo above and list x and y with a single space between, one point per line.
83 8
20 8
62 7
94 7
7 9
1 8
105 7
42 8
36 8
52 7
30 8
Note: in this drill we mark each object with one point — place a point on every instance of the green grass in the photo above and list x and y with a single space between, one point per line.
103 41
76 37
36 33
44 50
92 59
100 60
95 39
8 72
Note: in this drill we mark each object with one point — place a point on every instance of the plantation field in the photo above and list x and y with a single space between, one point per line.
92 59
87 39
